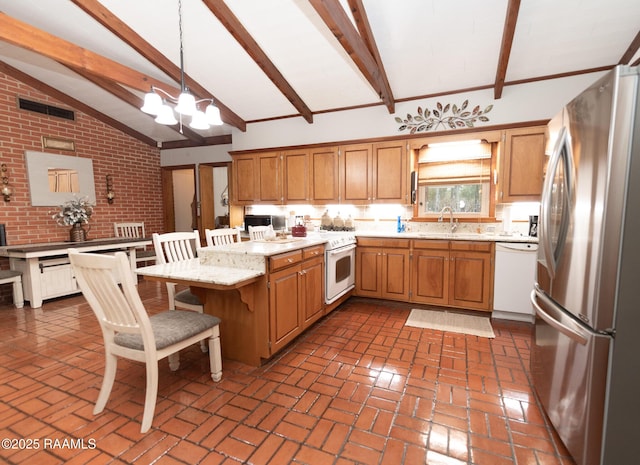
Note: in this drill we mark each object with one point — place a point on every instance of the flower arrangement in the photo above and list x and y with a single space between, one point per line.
73 212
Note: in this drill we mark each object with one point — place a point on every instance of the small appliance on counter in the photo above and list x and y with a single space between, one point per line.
299 229
277 221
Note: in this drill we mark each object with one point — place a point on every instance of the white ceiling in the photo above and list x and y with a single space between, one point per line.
426 47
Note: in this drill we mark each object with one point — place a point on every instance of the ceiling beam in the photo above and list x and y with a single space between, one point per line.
132 99
242 36
631 51
213 140
362 23
105 17
25 36
68 100
343 29
505 49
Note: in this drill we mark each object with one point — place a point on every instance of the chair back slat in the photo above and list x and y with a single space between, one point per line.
257 233
221 236
135 230
107 283
176 246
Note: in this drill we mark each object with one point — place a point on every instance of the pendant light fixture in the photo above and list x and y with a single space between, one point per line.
186 105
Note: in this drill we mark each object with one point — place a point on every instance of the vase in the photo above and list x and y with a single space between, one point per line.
77 233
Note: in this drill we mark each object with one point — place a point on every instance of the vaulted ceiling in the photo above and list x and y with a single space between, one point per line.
269 59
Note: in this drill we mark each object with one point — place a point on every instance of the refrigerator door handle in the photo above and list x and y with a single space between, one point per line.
568 327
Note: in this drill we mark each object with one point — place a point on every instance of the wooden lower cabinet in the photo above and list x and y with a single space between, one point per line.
430 272
382 268
453 273
296 294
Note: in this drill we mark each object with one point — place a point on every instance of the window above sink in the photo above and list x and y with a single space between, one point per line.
455 175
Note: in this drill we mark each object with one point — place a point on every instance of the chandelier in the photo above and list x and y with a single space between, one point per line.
186 105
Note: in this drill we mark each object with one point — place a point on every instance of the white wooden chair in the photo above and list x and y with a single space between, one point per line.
15 278
256 233
221 236
135 230
130 333
175 247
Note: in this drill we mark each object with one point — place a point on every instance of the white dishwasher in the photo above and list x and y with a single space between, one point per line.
515 270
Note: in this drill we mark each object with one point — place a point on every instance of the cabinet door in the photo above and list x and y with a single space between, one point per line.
430 277
245 179
295 166
284 307
270 178
390 173
523 165
312 289
368 271
395 274
324 175
355 174
470 280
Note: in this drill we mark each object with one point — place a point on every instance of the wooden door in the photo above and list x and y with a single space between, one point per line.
368 271
207 201
312 290
355 174
390 173
284 304
395 274
295 166
245 179
470 280
324 165
270 177
430 276
523 167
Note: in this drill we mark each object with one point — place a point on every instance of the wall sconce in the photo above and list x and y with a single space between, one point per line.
110 194
6 189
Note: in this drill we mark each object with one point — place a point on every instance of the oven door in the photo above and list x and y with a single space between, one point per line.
340 265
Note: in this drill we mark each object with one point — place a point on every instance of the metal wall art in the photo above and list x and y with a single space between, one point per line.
443 116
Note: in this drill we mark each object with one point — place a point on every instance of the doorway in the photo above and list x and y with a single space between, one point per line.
198 202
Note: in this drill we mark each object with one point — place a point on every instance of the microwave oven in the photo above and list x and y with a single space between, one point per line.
278 222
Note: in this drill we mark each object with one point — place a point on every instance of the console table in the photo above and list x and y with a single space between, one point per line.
46 271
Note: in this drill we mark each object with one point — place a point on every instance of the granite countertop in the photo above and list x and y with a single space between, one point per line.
267 248
449 236
195 272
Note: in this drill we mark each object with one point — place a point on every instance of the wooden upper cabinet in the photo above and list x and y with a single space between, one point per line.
245 179
390 173
270 177
355 173
295 165
324 175
522 165
257 178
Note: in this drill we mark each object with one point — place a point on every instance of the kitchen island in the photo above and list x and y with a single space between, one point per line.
242 284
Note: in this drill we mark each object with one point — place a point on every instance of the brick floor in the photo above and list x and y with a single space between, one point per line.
358 388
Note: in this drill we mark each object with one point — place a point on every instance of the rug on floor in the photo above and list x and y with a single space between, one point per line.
451 321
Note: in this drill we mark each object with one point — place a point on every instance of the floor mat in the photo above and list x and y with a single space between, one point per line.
451 321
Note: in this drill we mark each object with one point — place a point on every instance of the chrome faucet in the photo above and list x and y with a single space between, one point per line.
453 225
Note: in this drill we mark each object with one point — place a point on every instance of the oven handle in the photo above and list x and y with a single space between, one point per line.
341 250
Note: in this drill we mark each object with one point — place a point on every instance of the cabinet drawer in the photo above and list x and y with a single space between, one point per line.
286 259
380 242
313 252
472 246
431 245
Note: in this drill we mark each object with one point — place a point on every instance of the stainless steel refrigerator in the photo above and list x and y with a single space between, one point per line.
585 362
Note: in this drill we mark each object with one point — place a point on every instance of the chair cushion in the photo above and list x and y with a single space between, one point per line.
170 327
187 297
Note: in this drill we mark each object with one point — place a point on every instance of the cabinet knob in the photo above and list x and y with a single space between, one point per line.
290 260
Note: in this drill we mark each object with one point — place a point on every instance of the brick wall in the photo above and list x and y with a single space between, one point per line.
134 165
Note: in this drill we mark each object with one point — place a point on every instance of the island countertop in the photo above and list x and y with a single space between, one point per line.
194 273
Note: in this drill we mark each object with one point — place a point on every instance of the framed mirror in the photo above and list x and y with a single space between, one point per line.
54 179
